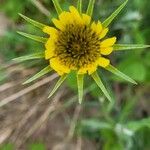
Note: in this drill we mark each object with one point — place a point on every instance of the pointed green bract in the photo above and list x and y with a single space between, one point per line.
57 6
80 79
120 74
101 85
90 7
114 14
39 74
79 6
33 22
58 84
33 37
30 57
118 47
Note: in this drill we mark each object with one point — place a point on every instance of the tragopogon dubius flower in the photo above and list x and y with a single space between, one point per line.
77 43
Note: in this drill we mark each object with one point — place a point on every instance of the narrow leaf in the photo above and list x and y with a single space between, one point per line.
79 6
137 125
33 37
114 14
119 74
95 124
59 82
33 22
101 85
57 6
129 46
30 57
90 7
39 74
80 79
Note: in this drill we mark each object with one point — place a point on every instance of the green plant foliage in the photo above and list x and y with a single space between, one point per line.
37 146
30 57
80 82
137 125
136 70
39 74
101 85
59 82
7 147
72 81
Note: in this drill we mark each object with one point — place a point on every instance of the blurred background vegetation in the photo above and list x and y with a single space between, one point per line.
123 124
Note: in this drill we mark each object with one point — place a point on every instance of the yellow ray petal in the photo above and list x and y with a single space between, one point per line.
75 15
50 30
88 69
50 44
103 62
49 54
74 11
106 51
58 24
103 33
108 42
86 19
58 66
92 68
65 18
97 27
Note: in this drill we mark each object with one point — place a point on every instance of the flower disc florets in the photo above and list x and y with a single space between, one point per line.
77 43
77 46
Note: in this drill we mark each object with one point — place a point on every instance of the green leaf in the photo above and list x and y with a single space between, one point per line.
114 14
119 73
79 6
57 6
90 7
137 125
39 74
80 79
59 82
135 68
101 85
95 124
117 47
33 22
33 37
30 57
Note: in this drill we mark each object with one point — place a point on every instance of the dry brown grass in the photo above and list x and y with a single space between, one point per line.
26 115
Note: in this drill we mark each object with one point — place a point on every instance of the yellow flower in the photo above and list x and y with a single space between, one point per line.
77 43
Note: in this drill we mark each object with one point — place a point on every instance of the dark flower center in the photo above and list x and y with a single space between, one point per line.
77 46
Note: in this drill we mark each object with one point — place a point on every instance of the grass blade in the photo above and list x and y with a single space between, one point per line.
80 79
33 22
39 74
57 6
118 47
33 37
101 85
90 7
58 84
79 6
114 14
30 57
119 74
